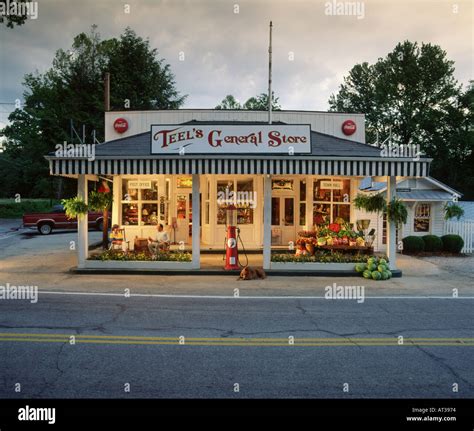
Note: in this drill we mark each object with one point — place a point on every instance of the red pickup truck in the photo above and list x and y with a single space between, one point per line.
56 219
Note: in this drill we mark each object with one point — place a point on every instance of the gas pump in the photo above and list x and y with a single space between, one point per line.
231 252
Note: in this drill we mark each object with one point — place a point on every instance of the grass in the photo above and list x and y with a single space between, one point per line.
11 209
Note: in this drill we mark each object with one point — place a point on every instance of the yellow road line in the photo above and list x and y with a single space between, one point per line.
233 339
245 343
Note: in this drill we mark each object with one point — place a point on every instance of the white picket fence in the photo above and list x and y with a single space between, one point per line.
464 229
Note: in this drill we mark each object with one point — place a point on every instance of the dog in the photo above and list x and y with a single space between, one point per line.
249 273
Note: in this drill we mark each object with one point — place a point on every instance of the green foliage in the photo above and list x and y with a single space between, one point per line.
432 243
397 212
452 243
321 256
258 103
413 244
72 89
370 203
11 209
142 256
12 19
74 207
453 210
412 94
98 201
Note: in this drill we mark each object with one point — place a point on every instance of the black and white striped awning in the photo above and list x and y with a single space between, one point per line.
294 166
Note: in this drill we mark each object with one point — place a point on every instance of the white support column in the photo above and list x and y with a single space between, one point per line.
267 220
82 224
391 228
117 192
196 262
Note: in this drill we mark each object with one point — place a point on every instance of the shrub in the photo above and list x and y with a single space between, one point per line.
432 243
413 244
452 243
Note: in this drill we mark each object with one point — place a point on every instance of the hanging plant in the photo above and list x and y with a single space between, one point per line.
99 201
370 203
74 207
453 210
397 212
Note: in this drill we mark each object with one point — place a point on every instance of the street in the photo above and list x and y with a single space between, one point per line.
215 337
235 347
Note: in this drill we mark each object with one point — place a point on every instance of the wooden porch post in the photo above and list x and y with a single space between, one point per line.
267 220
82 224
391 228
196 230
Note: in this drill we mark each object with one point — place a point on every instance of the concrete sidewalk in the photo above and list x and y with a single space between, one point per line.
32 259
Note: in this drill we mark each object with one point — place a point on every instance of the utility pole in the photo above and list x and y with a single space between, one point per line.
270 77
107 92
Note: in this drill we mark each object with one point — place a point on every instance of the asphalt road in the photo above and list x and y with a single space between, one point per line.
235 347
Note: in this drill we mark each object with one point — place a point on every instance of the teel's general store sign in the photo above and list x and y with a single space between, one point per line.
215 139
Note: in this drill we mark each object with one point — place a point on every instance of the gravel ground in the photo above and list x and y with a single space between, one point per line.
463 264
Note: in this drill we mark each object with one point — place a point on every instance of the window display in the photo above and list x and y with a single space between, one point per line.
421 222
331 200
242 199
140 202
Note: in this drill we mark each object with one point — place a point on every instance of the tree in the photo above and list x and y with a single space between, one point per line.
72 89
11 19
260 103
139 79
229 102
412 94
257 103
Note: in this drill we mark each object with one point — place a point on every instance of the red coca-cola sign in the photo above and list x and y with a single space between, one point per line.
349 127
121 125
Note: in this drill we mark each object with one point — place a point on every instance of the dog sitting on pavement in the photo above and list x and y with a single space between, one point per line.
249 273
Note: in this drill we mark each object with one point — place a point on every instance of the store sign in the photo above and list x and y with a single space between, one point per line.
215 139
349 127
139 184
334 185
120 125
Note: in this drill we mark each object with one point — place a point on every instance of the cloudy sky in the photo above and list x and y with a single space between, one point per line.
225 42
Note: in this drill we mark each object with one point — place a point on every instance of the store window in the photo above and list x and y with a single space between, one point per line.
139 202
239 193
331 200
421 222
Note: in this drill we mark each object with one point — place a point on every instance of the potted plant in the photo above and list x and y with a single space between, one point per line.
74 207
397 212
370 203
452 210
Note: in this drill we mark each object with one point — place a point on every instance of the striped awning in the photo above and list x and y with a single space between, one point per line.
289 166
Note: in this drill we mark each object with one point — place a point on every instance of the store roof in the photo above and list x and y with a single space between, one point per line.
321 144
425 195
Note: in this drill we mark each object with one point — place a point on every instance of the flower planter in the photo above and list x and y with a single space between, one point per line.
314 266
136 265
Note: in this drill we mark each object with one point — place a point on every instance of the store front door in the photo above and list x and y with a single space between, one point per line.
283 220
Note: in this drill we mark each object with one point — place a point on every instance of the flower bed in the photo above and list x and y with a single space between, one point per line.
115 255
320 256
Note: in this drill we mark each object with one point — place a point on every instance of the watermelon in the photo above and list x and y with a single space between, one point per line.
360 267
371 266
367 274
370 260
389 273
376 275
384 275
382 268
383 261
